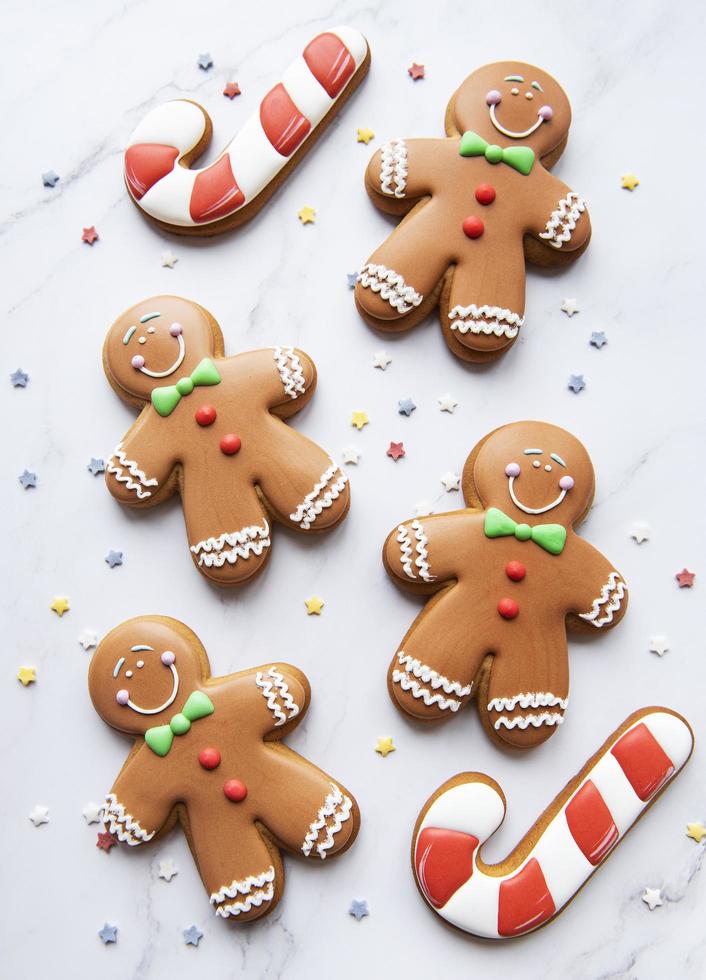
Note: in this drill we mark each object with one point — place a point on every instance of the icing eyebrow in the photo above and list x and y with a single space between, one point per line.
118 666
557 459
140 646
537 86
533 452
148 316
514 78
128 335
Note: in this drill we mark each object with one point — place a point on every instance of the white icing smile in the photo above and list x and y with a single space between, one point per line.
123 695
508 132
531 510
170 699
170 370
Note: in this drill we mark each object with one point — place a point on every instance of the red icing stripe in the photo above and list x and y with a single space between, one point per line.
284 125
330 62
643 760
145 164
215 193
591 823
524 901
444 861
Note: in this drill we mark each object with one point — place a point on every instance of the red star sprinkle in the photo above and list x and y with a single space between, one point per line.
90 235
685 578
231 90
415 71
396 450
105 841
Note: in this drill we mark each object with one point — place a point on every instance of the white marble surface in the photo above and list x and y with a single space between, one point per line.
76 79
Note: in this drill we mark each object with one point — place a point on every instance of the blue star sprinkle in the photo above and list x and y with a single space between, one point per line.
598 338
114 558
406 406
50 178
359 909
352 278
205 61
192 935
28 479
109 934
576 383
96 466
19 378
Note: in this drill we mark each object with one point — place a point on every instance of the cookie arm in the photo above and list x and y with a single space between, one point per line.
138 470
281 694
559 216
600 596
141 799
283 379
396 175
422 553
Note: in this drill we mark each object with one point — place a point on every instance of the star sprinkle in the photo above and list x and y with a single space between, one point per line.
359 419
365 135
168 259
231 90
28 479
381 359
416 71
26 675
685 578
108 934
167 869
640 532
307 215
114 558
60 605
450 481
629 182
50 178
570 306
384 745
192 935
447 403
351 455
422 508
405 407
88 639
598 339
696 831
90 235
104 841
396 450
652 897
659 644
358 909
351 279
19 378
314 605
93 813
39 815
576 383
205 61
96 466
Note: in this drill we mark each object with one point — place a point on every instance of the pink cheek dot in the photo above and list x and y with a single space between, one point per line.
493 97
566 482
122 697
175 328
138 362
512 469
168 658
546 112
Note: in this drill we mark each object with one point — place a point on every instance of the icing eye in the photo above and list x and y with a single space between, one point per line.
493 97
546 112
123 696
142 340
529 96
566 482
536 463
151 330
128 673
514 91
512 469
548 468
138 362
140 663
168 658
175 328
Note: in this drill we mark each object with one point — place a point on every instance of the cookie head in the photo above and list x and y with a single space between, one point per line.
534 472
157 342
141 673
510 102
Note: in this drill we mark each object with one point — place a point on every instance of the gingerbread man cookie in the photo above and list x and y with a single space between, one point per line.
477 205
211 428
230 191
509 576
571 839
207 754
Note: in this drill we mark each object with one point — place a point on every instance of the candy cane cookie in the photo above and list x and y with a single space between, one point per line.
555 859
229 192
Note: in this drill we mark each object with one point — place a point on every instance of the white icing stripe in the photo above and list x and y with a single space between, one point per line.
254 900
135 479
278 696
178 123
524 721
537 699
431 676
391 287
320 498
608 602
562 221
290 371
337 808
242 544
486 320
393 168
243 886
121 824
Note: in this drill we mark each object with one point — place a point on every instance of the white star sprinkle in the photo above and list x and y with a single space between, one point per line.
640 532
447 403
659 644
381 359
652 897
168 259
450 481
351 455
167 869
88 639
39 815
570 306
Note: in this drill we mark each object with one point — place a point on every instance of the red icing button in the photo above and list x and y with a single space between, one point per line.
508 608
230 444
473 227
210 758
206 415
515 570
235 790
485 194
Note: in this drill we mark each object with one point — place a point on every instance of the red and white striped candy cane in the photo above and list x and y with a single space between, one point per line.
573 836
270 143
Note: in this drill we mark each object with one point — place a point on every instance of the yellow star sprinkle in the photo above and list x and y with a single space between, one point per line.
696 831
359 419
307 215
60 604
314 605
26 675
629 182
365 135
384 745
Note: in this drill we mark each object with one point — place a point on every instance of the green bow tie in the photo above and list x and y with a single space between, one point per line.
551 537
166 399
198 705
520 158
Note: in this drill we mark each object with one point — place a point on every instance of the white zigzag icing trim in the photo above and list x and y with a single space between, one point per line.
393 166
247 541
134 471
431 676
243 885
405 543
537 699
562 221
336 805
612 594
408 683
312 505
274 689
486 319
421 548
120 823
235 908
290 371
524 721
391 287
